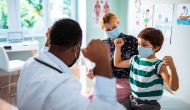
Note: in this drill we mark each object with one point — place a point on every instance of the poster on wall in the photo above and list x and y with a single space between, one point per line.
164 13
137 11
183 14
99 8
166 30
147 15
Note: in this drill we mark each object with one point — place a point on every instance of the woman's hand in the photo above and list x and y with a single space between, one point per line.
90 74
118 42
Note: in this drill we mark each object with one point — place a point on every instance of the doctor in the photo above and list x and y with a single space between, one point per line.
47 83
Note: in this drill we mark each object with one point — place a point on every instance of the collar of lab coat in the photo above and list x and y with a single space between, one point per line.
51 59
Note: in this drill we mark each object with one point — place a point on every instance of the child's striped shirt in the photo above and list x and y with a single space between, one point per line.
145 81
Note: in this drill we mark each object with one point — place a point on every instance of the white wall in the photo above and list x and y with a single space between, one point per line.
179 48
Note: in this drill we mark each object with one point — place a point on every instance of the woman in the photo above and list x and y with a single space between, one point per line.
110 25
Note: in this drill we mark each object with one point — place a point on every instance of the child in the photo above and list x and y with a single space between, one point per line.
147 72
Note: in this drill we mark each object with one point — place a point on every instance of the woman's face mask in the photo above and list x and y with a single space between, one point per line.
111 30
114 33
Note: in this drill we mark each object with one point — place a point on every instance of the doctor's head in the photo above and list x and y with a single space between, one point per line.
109 23
66 40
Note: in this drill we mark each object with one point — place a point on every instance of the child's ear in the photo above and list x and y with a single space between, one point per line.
155 49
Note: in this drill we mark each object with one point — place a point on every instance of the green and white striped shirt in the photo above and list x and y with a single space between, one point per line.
145 81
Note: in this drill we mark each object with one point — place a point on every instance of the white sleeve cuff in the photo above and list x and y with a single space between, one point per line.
105 89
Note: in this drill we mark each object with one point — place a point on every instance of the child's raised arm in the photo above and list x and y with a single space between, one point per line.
118 62
170 79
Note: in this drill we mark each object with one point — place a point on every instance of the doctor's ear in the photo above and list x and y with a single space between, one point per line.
76 46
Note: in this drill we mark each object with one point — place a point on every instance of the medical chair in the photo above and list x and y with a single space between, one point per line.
9 66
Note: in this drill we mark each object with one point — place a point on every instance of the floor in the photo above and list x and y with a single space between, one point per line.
9 103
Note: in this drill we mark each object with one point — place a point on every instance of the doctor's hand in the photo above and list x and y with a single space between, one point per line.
98 52
118 42
47 35
90 74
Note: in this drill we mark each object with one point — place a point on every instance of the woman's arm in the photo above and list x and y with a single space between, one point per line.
170 79
118 62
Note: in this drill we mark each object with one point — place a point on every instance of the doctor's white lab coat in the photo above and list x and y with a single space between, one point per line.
43 88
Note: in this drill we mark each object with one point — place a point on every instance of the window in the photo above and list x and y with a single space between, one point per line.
38 15
3 15
31 13
59 9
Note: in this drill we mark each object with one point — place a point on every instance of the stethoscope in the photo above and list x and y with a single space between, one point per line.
48 65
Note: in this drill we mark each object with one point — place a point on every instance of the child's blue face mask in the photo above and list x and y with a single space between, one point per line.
113 34
145 52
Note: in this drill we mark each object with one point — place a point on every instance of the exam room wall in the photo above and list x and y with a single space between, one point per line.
119 7
179 48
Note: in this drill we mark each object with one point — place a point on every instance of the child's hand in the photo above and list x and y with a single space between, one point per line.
118 42
169 62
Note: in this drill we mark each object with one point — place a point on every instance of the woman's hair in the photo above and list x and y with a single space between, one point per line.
154 36
108 18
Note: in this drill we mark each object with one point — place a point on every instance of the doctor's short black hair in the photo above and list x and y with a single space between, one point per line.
65 33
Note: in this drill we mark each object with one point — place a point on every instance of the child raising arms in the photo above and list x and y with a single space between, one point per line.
147 72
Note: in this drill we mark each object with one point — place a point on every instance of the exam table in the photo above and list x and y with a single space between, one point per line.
171 102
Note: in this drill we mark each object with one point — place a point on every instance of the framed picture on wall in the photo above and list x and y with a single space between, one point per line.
166 31
164 13
183 14
98 9
147 16
137 11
